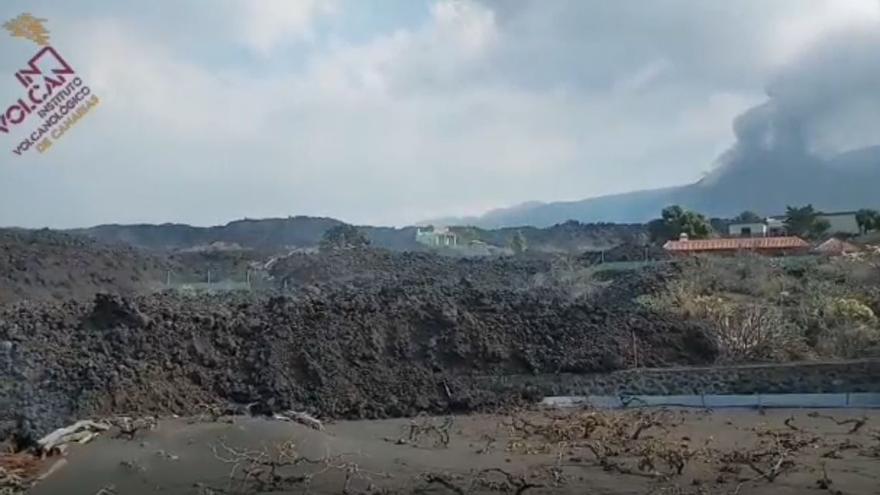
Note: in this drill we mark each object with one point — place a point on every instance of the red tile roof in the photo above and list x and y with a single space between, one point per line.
736 244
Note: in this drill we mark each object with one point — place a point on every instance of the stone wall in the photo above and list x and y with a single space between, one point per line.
820 377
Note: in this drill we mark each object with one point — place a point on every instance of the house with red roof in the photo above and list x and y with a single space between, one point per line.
771 246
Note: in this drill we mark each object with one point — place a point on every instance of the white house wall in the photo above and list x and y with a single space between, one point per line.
842 224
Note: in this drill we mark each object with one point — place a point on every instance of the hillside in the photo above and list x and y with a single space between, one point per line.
766 183
269 233
569 236
274 234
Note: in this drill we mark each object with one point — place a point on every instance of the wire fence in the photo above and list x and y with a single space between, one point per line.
627 265
217 281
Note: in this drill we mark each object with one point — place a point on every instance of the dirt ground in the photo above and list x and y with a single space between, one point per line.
743 452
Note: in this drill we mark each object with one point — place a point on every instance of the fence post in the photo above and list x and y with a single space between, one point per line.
635 350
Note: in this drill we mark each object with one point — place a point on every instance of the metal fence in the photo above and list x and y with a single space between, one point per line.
215 281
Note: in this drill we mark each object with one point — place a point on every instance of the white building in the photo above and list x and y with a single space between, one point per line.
757 229
437 237
843 222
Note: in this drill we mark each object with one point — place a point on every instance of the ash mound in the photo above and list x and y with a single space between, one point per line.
42 264
388 345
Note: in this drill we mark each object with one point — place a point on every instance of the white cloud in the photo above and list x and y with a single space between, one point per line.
475 106
457 37
265 24
159 90
465 24
817 19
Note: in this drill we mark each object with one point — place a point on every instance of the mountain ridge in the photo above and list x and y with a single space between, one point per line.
766 181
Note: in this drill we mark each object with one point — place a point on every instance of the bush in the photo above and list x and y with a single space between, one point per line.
741 331
760 308
849 342
849 329
844 310
754 333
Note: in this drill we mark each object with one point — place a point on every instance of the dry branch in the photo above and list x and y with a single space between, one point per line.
301 418
81 431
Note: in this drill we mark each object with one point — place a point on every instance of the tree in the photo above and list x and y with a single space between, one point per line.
518 243
342 237
748 216
675 220
868 220
819 228
799 219
658 231
804 221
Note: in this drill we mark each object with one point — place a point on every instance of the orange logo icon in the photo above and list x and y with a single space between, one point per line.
29 27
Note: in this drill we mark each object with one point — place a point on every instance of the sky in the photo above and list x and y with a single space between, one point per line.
388 112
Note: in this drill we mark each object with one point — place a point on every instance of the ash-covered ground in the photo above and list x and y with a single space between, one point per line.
358 334
369 333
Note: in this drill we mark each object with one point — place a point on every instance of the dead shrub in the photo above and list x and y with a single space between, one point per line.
568 274
753 332
741 331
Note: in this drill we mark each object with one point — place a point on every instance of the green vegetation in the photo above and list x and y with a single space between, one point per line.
804 221
675 220
868 220
748 216
761 309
